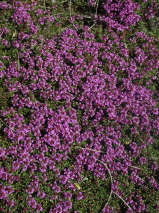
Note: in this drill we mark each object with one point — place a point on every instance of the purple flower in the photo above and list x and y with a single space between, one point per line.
10 202
79 196
142 160
135 120
41 194
108 209
68 195
63 179
67 204
154 166
2 152
155 111
4 175
3 194
32 203
15 165
30 190
57 189
39 208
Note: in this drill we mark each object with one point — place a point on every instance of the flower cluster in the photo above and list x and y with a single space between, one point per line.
74 102
118 15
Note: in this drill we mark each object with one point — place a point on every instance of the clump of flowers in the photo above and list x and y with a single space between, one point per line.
118 15
78 107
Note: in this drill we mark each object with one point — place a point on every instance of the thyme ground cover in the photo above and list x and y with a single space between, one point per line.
79 116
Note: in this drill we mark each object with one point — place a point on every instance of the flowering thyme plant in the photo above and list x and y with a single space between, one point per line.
79 107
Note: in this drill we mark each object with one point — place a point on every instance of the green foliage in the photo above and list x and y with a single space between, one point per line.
96 193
